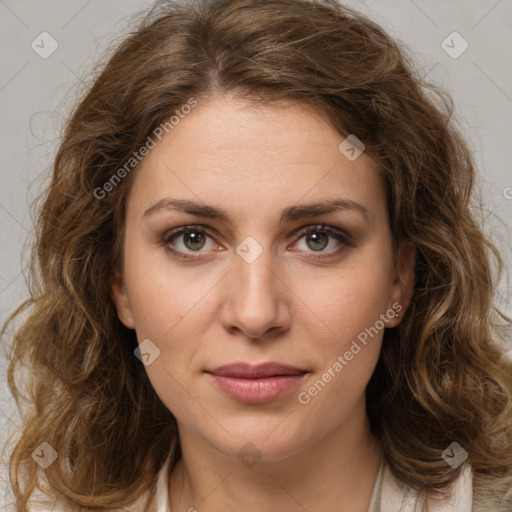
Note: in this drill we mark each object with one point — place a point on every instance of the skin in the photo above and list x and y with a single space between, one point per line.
285 306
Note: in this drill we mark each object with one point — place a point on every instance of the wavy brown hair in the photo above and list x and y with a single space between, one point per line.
441 376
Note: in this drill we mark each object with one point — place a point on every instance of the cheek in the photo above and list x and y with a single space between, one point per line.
171 306
348 344
346 303
162 294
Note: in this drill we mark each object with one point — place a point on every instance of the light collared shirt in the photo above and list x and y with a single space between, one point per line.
389 494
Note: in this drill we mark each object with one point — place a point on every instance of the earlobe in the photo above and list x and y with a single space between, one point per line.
120 299
403 287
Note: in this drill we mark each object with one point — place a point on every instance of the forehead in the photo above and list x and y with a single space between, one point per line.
232 152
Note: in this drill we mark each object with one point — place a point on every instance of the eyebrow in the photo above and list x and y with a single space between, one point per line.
289 214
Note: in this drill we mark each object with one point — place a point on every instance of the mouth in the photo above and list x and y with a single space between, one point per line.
256 384
246 371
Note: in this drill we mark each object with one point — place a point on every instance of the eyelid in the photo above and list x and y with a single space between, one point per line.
169 235
331 230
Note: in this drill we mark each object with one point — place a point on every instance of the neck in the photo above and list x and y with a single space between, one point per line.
337 472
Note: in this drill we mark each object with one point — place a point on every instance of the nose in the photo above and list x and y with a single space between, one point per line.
256 299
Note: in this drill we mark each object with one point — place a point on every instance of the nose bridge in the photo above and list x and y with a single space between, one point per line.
255 302
254 273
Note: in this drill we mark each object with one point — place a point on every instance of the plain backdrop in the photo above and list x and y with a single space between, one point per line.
36 94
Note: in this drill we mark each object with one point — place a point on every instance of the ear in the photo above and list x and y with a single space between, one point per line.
120 299
403 285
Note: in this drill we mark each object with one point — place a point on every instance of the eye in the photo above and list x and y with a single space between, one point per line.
193 240
317 239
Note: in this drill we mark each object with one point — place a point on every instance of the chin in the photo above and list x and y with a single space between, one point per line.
261 440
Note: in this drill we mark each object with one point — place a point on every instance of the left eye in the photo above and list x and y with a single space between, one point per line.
194 239
319 237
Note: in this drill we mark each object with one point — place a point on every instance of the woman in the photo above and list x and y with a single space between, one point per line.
260 281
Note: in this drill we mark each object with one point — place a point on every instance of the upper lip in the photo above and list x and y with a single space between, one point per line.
247 371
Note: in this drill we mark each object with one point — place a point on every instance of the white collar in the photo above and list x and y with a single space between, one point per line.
395 495
399 497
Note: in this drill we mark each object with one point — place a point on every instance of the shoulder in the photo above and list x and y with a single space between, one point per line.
397 496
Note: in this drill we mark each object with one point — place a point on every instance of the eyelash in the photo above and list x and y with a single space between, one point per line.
319 228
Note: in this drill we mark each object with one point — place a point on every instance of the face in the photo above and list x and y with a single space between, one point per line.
244 283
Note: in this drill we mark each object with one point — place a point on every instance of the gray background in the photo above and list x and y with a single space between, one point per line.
36 95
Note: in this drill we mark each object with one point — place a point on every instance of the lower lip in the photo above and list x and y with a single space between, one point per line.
256 391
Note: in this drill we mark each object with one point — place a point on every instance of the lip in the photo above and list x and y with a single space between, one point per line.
247 371
256 384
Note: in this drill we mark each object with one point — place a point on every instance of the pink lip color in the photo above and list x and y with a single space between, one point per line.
256 390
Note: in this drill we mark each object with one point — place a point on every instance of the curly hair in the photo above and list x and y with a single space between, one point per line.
441 376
